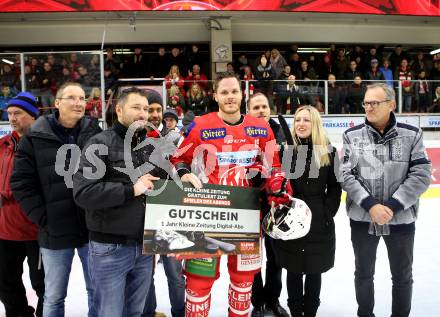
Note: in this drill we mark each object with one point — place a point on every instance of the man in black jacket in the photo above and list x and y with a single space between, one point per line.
42 184
266 298
110 185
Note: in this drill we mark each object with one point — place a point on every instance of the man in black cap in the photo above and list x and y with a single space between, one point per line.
18 235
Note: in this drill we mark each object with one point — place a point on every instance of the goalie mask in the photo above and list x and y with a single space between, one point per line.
288 222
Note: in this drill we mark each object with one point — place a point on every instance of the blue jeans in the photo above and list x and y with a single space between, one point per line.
57 266
176 289
406 103
400 247
121 276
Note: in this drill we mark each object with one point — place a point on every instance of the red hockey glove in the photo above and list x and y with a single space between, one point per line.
278 189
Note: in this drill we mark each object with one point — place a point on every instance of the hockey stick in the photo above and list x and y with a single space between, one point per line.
286 129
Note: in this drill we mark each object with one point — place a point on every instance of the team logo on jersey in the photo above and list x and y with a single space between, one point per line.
212 134
255 132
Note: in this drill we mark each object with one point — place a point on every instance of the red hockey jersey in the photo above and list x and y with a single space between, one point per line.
223 154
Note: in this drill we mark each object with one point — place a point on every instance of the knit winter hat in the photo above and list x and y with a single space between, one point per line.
154 97
171 113
25 101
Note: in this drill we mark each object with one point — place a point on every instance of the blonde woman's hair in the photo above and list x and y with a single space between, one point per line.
170 73
174 90
318 137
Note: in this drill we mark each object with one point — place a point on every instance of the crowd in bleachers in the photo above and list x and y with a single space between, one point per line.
290 78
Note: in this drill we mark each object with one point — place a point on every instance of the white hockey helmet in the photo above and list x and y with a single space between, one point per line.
288 222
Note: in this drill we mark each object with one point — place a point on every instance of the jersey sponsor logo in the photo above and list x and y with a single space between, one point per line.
212 134
256 132
242 158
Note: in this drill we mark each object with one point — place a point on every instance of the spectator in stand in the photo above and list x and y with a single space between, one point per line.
85 79
333 51
264 75
421 63
435 107
306 72
341 65
176 100
290 97
9 77
247 74
112 61
230 68
196 77
94 103
177 58
336 96
56 67
374 74
277 61
36 69
73 62
293 49
94 69
137 65
48 86
110 81
65 76
175 79
387 72
196 101
194 57
396 57
355 96
371 55
294 63
6 95
312 61
32 80
406 77
352 72
46 195
325 67
422 92
435 76
356 52
18 235
160 64
242 63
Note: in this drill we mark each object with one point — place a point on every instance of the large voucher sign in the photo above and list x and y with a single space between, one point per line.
215 219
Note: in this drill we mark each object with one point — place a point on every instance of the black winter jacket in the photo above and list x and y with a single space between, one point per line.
41 192
314 253
113 213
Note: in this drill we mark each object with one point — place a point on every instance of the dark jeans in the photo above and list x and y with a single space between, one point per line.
303 295
270 292
176 289
400 246
12 290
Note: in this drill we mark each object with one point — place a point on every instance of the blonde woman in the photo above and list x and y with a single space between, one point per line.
313 165
196 100
175 79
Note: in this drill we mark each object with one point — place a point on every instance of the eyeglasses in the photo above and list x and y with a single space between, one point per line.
72 99
373 104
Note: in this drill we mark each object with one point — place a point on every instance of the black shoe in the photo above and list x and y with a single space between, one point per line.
258 311
277 310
